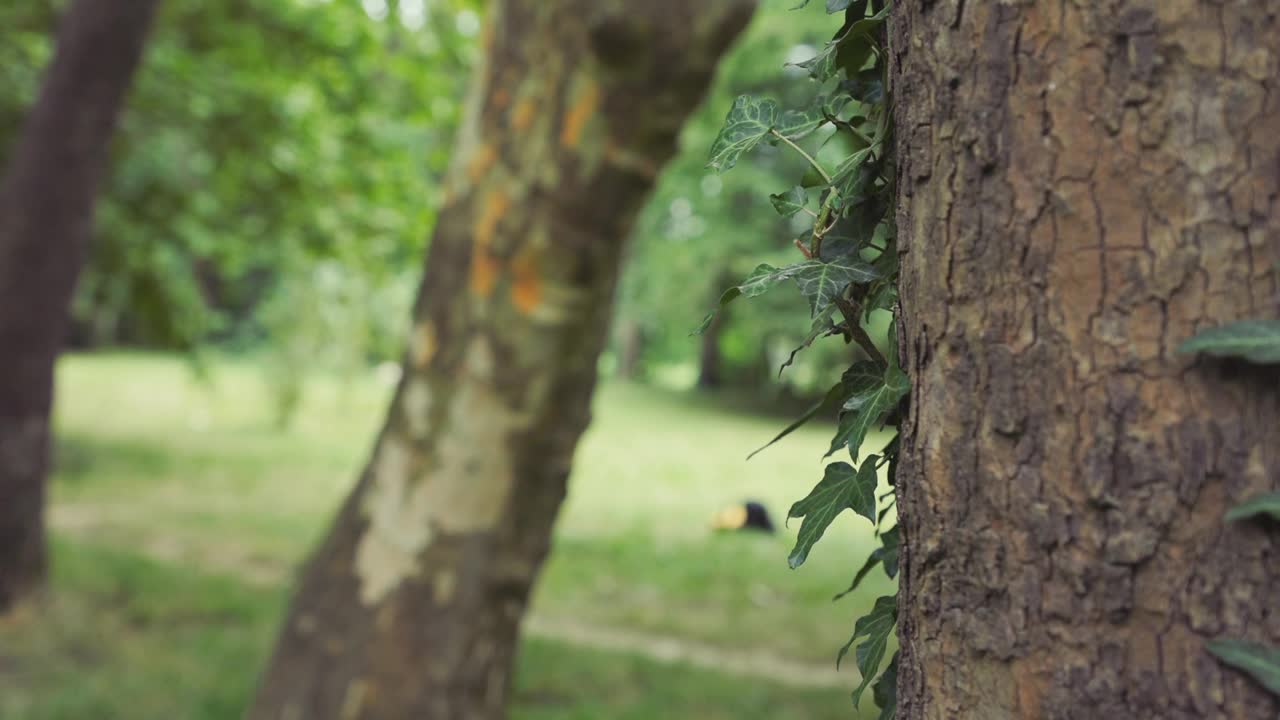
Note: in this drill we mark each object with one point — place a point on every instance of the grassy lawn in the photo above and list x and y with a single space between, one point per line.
180 511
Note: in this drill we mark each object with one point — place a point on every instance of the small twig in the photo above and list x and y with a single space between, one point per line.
850 312
807 156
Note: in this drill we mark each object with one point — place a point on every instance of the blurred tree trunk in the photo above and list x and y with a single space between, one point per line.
411 607
46 218
1082 187
631 347
710 360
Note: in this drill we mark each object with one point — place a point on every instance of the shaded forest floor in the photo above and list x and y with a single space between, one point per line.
179 510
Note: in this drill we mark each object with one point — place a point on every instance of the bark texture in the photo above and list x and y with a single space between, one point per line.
46 219
411 606
1083 185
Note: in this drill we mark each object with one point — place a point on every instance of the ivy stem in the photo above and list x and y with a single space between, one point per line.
806 155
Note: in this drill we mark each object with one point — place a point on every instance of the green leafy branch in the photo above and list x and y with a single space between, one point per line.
848 270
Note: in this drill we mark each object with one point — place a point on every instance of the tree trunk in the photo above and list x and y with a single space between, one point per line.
1083 185
631 347
46 217
411 606
710 360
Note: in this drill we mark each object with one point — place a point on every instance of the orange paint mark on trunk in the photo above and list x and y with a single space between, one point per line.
522 116
483 159
484 272
575 120
494 205
526 285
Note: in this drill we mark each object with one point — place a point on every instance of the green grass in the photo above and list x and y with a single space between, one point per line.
151 463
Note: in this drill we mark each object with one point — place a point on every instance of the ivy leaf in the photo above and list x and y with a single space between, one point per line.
876 627
832 397
760 281
1268 504
795 124
885 691
748 122
886 554
822 325
861 380
844 238
790 202
1257 341
889 551
822 66
863 408
872 560
867 86
1260 661
822 282
835 6
841 488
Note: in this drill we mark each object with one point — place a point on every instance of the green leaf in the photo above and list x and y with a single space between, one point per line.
760 281
889 550
748 122
864 408
876 627
822 282
821 325
841 488
885 691
790 202
862 381
835 6
832 397
1260 661
1268 504
872 560
822 66
795 124
1257 341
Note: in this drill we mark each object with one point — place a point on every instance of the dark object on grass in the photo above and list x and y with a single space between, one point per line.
749 515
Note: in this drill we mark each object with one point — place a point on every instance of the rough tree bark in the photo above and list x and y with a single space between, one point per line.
46 218
411 606
1084 185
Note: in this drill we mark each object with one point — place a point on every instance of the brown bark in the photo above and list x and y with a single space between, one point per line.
411 606
46 217
1083 185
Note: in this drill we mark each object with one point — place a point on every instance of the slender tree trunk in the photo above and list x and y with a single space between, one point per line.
631 346
710 360
710 373
46 217
411 606
1083 186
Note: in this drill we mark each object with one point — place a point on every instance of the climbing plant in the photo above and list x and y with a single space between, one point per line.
847 268
1256 341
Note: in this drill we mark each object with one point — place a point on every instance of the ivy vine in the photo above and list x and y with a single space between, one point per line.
1256 341
847 269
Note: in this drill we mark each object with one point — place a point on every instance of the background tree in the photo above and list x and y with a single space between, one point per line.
46 218
411 607
1082 187
272 178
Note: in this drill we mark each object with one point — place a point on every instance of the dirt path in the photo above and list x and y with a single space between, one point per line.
91 523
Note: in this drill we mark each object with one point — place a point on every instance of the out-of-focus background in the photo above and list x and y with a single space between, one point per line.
236 334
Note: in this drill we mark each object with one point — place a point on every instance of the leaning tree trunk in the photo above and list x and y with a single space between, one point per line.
411 607
1084 185
46 217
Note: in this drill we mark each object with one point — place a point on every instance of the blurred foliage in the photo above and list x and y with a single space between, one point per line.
274 175
701 229
278 167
